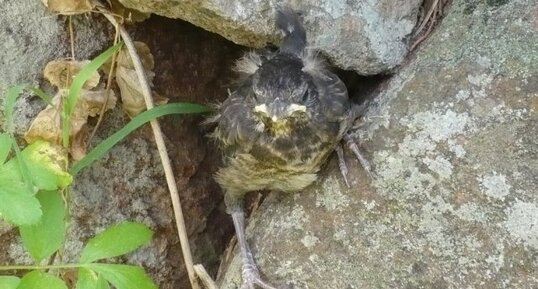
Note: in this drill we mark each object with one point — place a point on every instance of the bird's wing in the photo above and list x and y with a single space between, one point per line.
334 100
235 123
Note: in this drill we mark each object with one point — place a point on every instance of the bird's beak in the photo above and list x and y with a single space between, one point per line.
277 110
274 111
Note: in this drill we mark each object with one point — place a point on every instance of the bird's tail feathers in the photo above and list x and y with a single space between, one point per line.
294 33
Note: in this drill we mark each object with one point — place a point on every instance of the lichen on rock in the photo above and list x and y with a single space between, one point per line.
453 202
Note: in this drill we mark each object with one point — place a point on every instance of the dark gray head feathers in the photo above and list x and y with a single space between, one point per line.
294 34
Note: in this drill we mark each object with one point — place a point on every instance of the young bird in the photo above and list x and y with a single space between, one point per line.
279 127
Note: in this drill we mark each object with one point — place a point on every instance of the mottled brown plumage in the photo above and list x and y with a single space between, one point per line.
278 128
282 155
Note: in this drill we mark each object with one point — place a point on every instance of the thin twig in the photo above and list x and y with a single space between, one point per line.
226 257
72 37
180 222
424 36
431 19
428 16
40 267
204 277
107 90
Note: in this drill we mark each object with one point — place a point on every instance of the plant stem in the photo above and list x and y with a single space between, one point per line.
71 37
40 267
161 147
107 91
204 276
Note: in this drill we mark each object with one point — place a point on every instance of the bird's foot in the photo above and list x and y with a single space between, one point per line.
360 157
250 273
251 277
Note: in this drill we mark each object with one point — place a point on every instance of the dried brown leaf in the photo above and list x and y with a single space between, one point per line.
60 73
78 144
131 92
47 124
159 99
144 53
69 7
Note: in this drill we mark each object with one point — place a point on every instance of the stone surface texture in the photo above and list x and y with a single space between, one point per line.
30 37
368 36
128 183
452 137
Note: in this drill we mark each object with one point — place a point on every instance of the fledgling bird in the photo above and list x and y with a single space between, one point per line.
278 128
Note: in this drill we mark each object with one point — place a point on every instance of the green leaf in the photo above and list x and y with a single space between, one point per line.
116 240
41 94
9 282
136 122
45 237
18 204
88 279
5 146
45 164
78 81
20 164
40 280
124 276
9 104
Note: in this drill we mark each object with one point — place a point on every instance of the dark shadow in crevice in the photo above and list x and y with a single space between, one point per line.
191 65
361 88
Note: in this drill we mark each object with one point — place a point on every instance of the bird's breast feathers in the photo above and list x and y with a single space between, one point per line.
287 162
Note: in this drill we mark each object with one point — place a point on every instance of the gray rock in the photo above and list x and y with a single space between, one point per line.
30 36
454 200
367 36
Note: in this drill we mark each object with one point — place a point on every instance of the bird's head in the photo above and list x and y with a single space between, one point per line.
284 96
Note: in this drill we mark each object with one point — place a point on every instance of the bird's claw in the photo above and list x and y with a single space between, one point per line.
355 149
362 159
342 163
251 277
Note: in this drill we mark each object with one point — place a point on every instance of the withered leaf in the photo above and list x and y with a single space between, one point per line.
131 92
60 73
68 7
144 53
78 144
47 125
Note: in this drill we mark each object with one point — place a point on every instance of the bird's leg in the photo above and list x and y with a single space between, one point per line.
250 273
342 162
355 149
